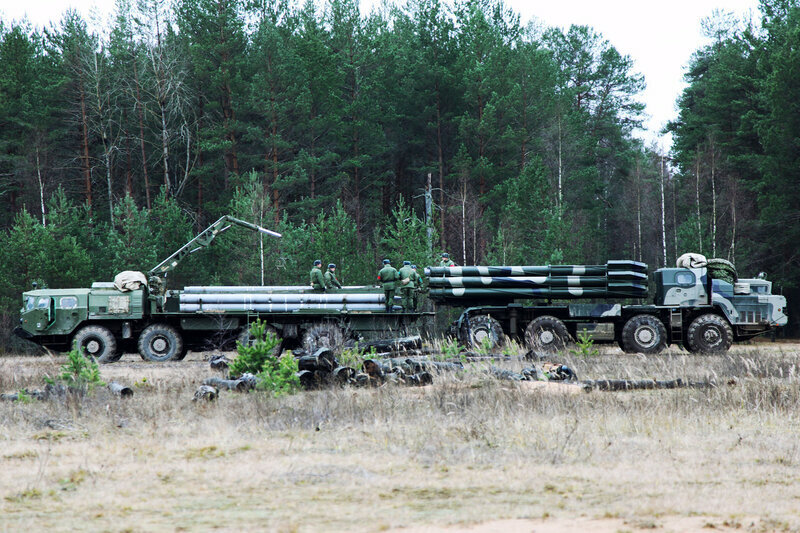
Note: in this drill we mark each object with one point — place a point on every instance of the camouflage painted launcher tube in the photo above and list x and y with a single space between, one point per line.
493 271
547 270
454 293
616 279
520 282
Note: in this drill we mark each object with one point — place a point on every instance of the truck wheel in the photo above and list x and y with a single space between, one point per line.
245 339
547 334
484 331
182 355
322 336
159 343
709 333
622 347
644 334
98 342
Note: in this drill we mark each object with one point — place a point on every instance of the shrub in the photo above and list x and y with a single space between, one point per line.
256 352
275 374
79 372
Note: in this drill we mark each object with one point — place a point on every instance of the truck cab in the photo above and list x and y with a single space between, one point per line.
748 304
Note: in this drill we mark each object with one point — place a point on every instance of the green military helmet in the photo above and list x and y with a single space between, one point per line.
331 265
317 262
386 262
406 263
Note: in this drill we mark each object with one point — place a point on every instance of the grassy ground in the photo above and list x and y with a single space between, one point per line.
467 452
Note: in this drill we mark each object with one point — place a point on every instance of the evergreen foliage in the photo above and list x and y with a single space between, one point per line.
323 123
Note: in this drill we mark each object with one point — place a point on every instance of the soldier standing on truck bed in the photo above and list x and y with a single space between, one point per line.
407 286
418 287
388 276
317 280
330 278
446 261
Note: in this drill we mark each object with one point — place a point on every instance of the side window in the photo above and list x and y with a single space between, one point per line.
68 302
43 303
685 278
30 303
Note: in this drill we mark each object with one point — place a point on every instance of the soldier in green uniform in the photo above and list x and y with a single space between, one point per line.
407 285
388 277
446 261
417 279
330 278
317 280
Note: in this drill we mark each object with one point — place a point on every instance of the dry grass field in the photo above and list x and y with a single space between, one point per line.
467 453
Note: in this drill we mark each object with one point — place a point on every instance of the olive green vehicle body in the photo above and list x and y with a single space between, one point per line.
51 317
107 320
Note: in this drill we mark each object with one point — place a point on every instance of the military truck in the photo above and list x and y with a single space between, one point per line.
698 305
138 313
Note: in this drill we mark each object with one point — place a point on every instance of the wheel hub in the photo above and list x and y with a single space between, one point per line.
93 346
546 337
481 335
646 336
160 345
711 336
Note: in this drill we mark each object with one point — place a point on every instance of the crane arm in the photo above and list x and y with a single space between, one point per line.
202 240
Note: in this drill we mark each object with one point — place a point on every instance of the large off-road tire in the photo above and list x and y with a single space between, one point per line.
326 335
622 347
181 356
160 342
98 342
710 334
246 339
644 334
547 334
484 332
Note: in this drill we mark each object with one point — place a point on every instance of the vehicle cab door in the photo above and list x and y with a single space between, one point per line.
40 312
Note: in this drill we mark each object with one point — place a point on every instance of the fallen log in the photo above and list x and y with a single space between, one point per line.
644 384
205 393
344 374
120 389
219 362
238 385
394 345
323 359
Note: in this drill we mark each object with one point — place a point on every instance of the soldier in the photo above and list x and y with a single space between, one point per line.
330 278
317 280
418 283
407 285
446 261
388 277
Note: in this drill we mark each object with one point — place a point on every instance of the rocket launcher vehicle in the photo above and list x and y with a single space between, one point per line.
615 279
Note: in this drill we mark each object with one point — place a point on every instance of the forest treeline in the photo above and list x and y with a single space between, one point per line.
327 124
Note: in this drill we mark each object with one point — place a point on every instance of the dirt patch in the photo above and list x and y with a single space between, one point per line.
469 452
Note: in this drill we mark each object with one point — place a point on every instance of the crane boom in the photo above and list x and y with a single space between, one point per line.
203 239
